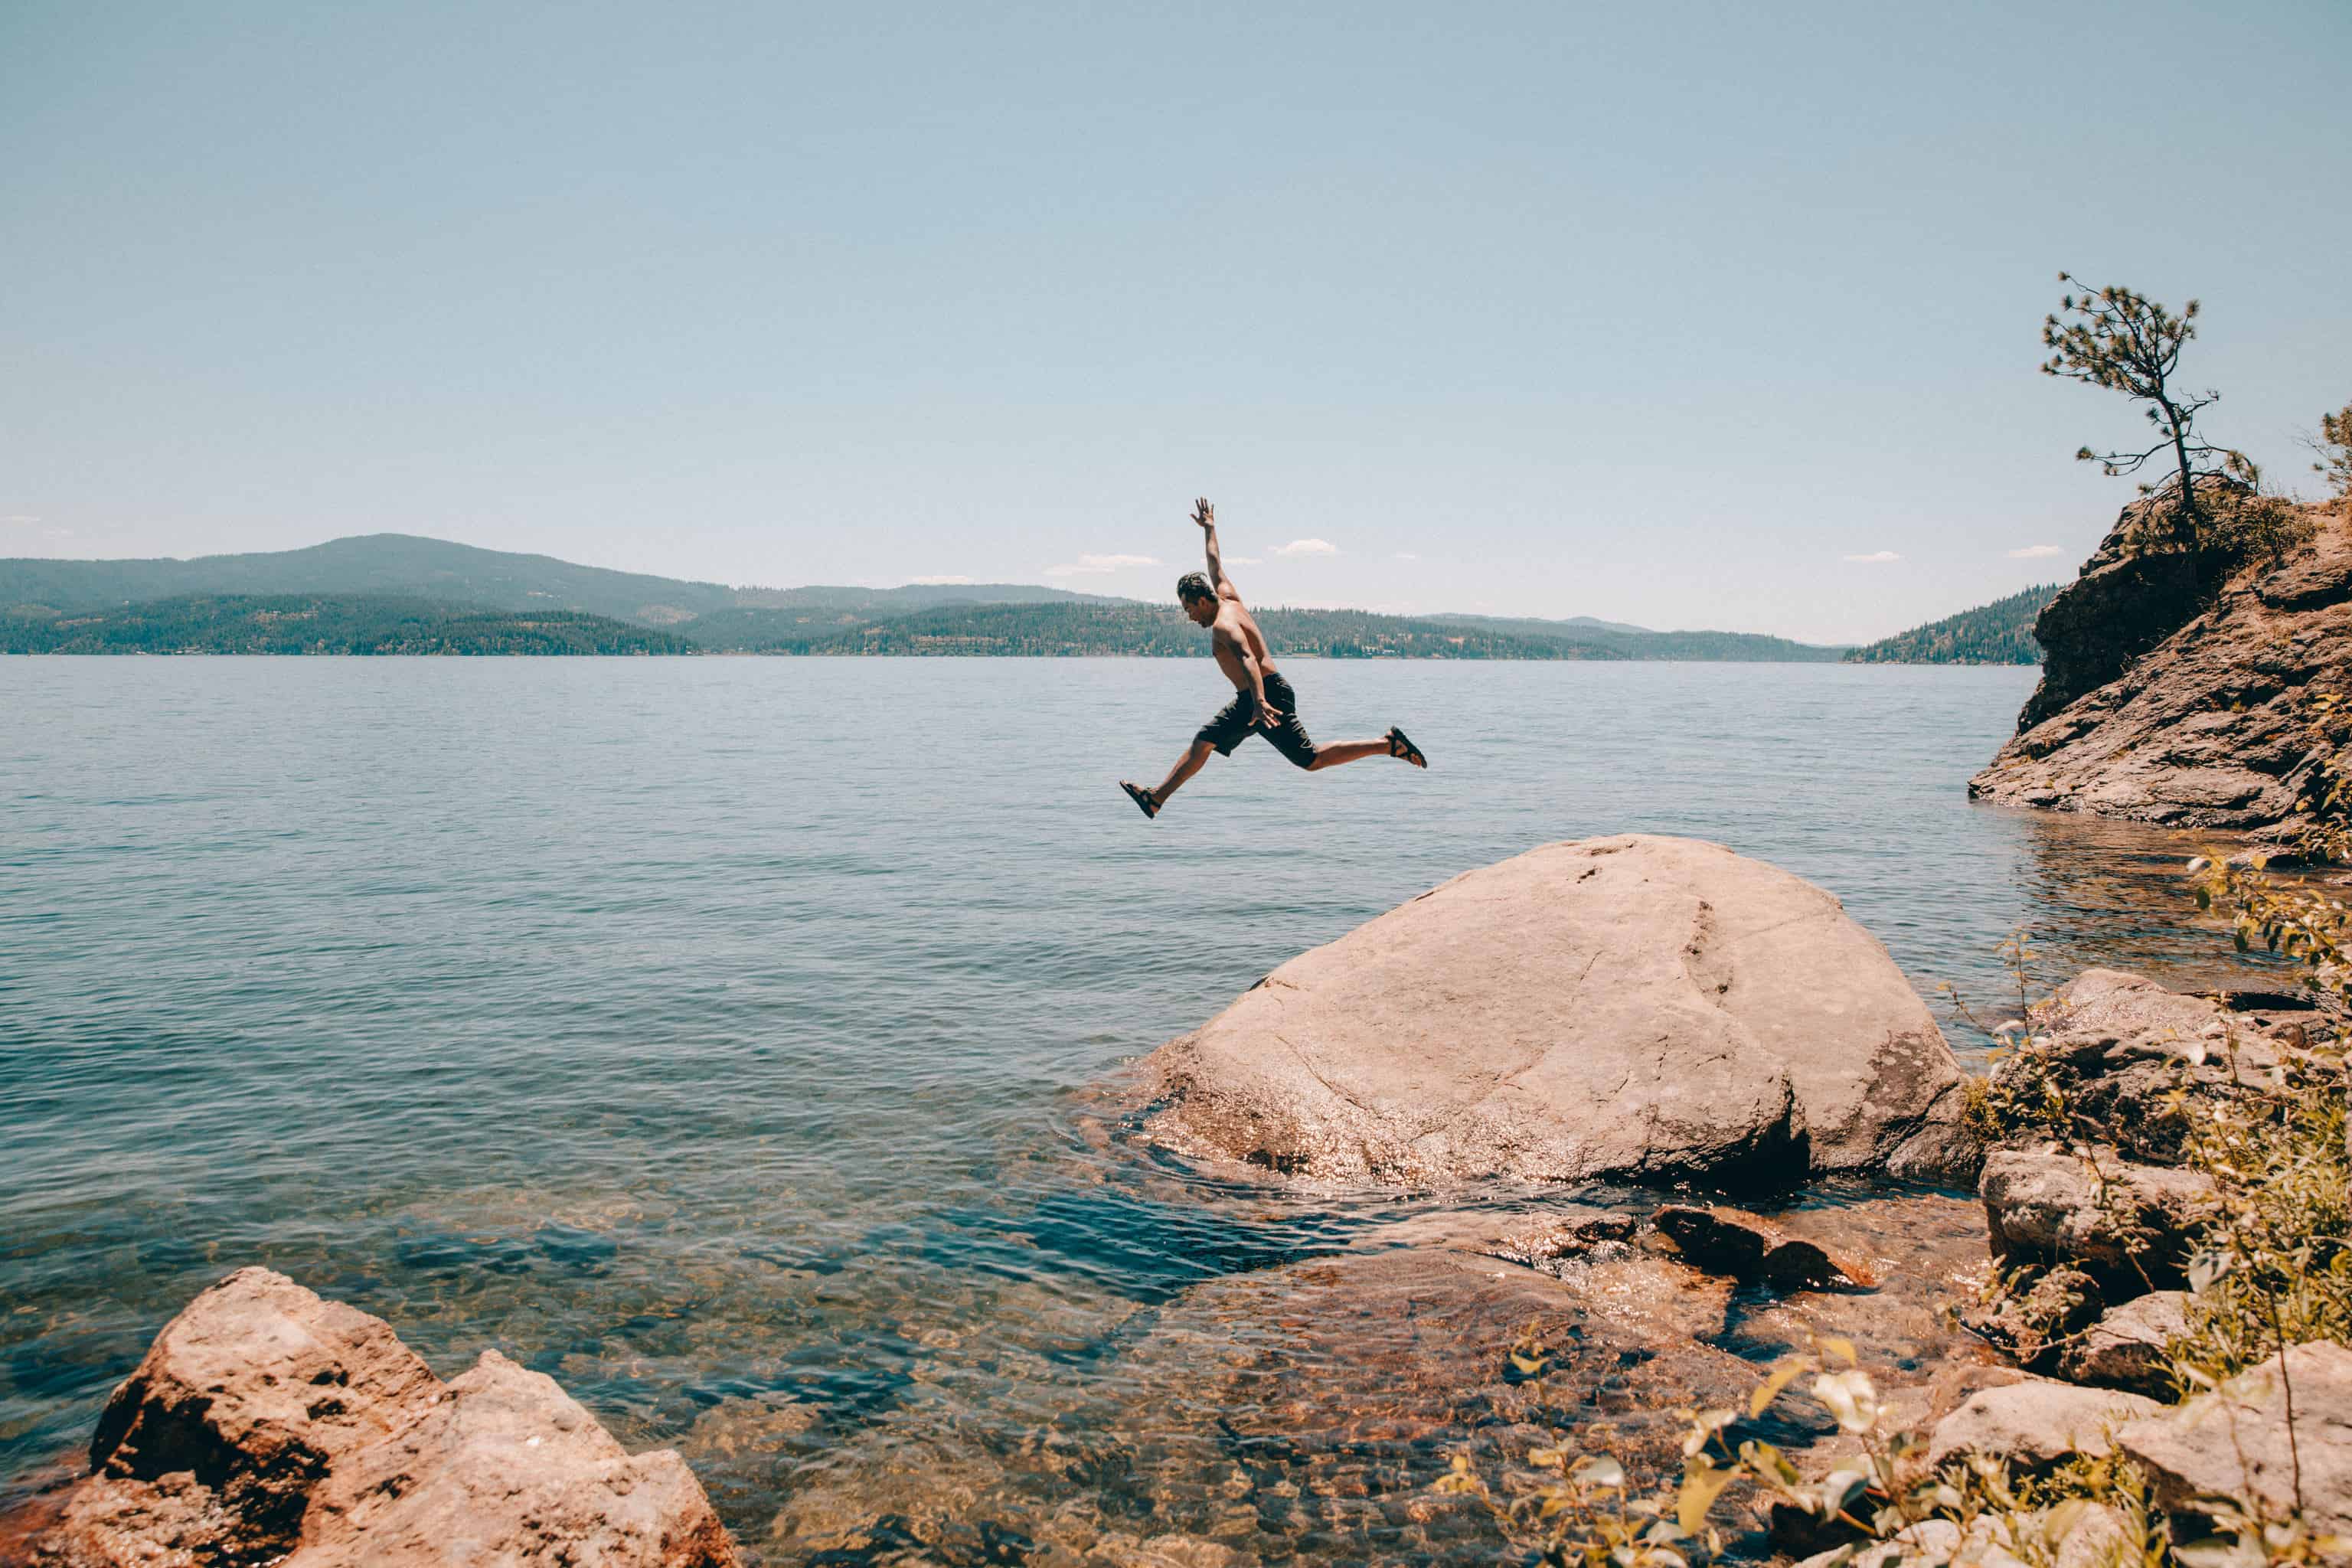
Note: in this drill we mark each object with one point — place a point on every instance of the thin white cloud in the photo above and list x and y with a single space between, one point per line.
1245 561
1308 547
20 517
1406 555
1090 565
940 582
1876 557
2034 551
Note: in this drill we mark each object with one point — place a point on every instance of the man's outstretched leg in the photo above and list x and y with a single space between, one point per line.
1151 800
1392 744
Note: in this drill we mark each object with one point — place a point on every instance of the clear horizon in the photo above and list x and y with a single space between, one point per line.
1692 318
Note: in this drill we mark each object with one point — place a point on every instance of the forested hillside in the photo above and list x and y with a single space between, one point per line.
1147 630
326 624
1997 633
1638 642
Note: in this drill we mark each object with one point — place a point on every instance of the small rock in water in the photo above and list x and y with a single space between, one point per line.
1752 1249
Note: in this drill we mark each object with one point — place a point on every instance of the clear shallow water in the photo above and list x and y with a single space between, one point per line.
713 1034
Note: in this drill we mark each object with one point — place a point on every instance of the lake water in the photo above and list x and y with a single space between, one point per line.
714 1034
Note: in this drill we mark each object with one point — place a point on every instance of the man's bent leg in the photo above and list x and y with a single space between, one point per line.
1186 766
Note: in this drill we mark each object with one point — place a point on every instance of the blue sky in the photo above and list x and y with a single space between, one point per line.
1662 313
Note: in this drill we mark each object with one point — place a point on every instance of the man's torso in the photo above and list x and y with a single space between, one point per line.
1244 629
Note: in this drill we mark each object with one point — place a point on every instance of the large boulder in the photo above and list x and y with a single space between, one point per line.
2234 1442
1633 1007
267 1425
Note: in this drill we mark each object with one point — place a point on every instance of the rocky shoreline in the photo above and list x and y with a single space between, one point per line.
2185 690
1813 1166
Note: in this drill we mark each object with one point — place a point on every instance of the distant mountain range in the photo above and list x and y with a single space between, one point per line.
411 566
394 592
1997 633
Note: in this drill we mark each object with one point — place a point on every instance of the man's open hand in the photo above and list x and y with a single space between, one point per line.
1269 718
1203 513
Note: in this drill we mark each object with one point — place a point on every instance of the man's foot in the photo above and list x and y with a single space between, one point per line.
1143 798
1399 746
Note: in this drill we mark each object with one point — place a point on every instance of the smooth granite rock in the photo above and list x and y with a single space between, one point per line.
1635 1007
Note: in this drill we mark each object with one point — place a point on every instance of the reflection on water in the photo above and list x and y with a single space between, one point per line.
714 1037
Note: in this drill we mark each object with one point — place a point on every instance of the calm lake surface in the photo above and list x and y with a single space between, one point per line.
713 1034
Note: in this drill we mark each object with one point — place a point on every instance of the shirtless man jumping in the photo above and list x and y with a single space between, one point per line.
1263 700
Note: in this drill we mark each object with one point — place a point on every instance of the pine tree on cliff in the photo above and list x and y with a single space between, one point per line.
2127 341
2335 447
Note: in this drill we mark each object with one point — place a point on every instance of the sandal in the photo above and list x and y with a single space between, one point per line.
1143 797
1399 746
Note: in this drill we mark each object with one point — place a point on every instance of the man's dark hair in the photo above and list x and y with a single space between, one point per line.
1192 587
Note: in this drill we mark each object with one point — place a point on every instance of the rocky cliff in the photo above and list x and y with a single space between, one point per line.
2176 691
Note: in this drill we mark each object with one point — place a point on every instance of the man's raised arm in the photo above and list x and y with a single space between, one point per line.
1206 516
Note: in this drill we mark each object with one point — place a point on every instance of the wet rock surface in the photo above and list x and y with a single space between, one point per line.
1753 1249
267 1425
2168 697
1635 1006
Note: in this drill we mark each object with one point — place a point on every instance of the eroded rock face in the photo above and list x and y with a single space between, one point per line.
2235 1441
267 1425
1635 1007
2117 1221
2129 1347
2165 701
505 1466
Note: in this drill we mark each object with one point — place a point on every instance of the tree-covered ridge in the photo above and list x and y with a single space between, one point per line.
1997 633
1075 630
1640 642
358 623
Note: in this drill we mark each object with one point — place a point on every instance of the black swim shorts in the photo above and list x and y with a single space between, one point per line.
1237 721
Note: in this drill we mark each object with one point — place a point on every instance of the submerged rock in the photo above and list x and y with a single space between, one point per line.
268 1425
1751 1249
1633 1007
